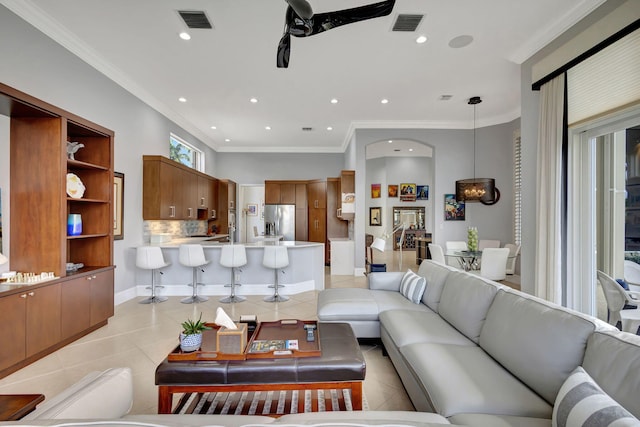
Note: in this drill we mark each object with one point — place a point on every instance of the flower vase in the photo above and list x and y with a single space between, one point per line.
191 342
472 239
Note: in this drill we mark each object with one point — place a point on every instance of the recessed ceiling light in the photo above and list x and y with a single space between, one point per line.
384 101
421 39
267 127
329 128
390 142
182 99
253 100
185 36
445 97
227 140
214 128
410 149
334 101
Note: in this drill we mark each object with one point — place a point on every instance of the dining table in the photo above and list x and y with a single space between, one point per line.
468 260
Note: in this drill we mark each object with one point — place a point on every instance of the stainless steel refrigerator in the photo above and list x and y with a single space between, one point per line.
280 220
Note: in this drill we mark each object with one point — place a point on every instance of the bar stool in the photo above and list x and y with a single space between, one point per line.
150 258
193 256
275 257
233 256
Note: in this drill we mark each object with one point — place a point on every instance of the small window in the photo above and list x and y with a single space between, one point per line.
185 153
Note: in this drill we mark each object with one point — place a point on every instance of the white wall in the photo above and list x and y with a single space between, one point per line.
34 64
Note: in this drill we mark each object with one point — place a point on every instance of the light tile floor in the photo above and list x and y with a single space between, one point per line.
140 336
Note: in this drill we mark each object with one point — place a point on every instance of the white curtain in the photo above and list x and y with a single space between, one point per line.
548 268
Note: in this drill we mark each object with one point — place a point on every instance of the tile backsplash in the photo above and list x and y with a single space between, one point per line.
177 229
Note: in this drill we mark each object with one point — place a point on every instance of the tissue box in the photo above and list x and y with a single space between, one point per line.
232 340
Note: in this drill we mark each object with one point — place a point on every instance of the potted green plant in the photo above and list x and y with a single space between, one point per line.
191 335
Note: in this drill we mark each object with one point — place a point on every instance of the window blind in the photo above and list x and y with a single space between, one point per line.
517 189
606 81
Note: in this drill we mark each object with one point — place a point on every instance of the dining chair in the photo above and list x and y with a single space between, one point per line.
437 254
483 244
632 275
455 245
493 264
514 250
617 298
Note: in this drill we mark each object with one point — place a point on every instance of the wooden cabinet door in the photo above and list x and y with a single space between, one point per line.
213 197
302 229
75 304
43 318
335 226
301 196
288 194
188 196
13 310
232 195
317 194
203 192
170 182
101 285
317 225
271 193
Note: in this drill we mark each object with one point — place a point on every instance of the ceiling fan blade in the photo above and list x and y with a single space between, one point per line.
284 49
326 21
301 7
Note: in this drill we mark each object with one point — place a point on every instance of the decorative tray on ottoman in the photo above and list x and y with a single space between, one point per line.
284 339
209 349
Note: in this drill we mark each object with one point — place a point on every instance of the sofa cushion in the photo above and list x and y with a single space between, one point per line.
435 275
107 394
612 360
580 402
343 304
539 342
412 286
394 301
464 379
486 420
465 301
395 418
385 281
406 327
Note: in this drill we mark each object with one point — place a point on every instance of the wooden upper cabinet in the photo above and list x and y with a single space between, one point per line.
288 194
204 192
271 193
317 194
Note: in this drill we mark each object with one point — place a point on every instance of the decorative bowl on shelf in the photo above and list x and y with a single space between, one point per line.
75 187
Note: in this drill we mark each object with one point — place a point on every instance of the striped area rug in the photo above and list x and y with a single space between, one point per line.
277 402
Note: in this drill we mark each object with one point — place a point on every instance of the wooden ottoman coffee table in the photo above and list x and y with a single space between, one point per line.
305 384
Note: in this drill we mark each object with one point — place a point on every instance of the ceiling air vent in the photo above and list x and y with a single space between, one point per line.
195 19
407 22
307 129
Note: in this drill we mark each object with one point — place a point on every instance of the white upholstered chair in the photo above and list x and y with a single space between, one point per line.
514 250
437 254
276 257
193 256
617 297
233 256
493 264
151 258
484 244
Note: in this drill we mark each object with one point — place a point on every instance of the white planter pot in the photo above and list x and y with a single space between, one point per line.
189 343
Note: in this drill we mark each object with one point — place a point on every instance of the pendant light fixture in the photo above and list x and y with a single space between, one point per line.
481 190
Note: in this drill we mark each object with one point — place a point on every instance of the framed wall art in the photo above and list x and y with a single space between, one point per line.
375 191
375 216
422 193
392 190
252 209
118 206
453 210
408 192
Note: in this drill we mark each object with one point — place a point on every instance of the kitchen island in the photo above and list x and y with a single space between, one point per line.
305 271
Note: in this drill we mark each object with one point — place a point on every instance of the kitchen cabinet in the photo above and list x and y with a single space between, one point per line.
170 190
317 205
13 311
336 227
302 226
204 192
347 194
279 193
226 205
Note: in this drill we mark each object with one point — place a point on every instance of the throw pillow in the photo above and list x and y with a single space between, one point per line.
581 402
412 286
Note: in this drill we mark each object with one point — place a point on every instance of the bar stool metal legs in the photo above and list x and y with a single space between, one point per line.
150 258
233 256
276 257
193 256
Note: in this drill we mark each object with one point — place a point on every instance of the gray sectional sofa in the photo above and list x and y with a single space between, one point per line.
470 352
480 353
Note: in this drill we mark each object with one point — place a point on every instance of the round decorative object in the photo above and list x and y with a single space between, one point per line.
75 187
189 343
